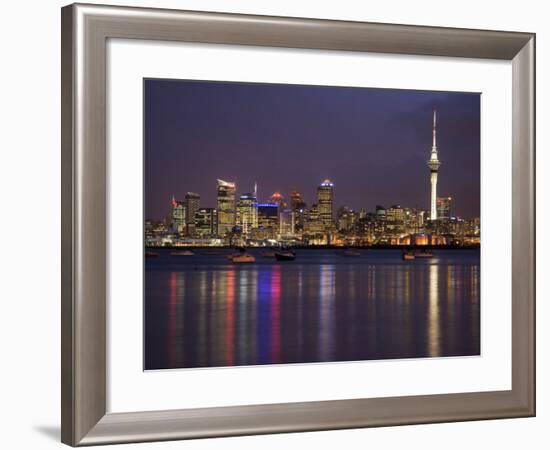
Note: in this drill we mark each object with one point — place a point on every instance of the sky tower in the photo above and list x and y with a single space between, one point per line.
433 165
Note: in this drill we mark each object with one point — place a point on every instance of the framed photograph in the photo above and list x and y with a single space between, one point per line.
279 224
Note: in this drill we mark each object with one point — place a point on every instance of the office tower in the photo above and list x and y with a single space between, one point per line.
192 204
226 206
433 165
247 213
268 215
444 207
178 216
313 223
206 222
297 208
395 214
325 197
346 219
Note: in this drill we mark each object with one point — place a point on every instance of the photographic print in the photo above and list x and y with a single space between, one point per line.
290 224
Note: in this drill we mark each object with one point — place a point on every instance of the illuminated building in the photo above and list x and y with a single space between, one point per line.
325 197
226 207
395 220
444 207
285 222
296 201
268 219
206 222
178 216
297 207
278 199
395 214
192 204
346 219
433 165
247 213
313 223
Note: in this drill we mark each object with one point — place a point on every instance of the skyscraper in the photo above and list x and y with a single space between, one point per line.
444 207
205 222
297 207
325 197
313 223
247 213
192 204
178 216
433 165
268 215
226 206
296 201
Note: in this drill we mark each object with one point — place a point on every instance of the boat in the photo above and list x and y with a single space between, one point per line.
240 251
182 253
268 253
151 254
423 253
243 258
285 255
408 255
351 252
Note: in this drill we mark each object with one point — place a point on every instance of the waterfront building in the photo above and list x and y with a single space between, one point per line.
247 213
346 219
325 200
285 222
225 207
444 207
380 212
395 214
297 207
178 216
433 165
313 223
192 204
268 219
206 222
296 201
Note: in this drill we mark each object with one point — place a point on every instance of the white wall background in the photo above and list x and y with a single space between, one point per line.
30 213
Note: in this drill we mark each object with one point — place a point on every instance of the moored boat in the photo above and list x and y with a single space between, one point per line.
408 255
151 254
243 258
423 253
351 252
182 253
285 255
268 253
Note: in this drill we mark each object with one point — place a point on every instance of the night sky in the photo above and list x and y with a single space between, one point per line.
372 143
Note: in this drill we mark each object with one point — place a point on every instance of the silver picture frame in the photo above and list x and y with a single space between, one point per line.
85 31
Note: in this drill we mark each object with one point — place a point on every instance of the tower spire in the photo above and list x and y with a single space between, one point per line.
434 132
433 165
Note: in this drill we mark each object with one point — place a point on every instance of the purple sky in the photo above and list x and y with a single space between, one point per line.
372 143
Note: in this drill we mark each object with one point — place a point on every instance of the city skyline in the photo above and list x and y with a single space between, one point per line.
379 156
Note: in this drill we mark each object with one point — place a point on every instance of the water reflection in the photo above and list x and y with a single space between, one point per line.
326 312
433 312
205 312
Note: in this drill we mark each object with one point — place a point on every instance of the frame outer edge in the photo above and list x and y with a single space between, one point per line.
67 319
523 228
